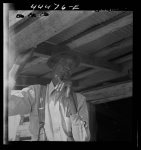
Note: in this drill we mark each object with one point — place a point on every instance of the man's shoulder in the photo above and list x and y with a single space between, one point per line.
81 95
34 88
38 86
80 98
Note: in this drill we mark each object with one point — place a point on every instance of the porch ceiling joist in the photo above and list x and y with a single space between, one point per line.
23 80
111 93
46 27
114 48
98 33
98 62
95 62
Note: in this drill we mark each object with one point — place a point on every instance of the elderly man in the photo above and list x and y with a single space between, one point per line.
56 112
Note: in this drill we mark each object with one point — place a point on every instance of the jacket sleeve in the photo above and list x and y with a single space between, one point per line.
20 101
80 121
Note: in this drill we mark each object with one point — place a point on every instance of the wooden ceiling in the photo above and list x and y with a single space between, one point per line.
103 40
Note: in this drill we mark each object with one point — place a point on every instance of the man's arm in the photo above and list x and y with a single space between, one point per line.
80 121
21 101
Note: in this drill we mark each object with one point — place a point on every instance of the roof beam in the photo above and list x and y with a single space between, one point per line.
84 75
98 33
13 16
98 62
124 59
36 61
114 48
46 27
111 93
23 80
84 26
95 62
101 76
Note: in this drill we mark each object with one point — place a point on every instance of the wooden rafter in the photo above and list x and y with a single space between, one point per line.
114 48
96 34
111 93
46 27
94 62
23 80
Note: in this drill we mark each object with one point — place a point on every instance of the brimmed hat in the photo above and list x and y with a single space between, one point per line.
63 53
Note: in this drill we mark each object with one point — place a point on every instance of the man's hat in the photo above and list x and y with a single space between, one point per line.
62 52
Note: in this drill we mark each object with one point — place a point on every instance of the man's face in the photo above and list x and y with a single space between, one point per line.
63 69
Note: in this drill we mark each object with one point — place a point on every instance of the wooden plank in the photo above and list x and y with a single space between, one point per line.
79 29
36 61
41 55
124 59
127 65
30 80
112 93
94 77
13 123
95 62
85 74
46 27
98 77
26 21
13 13
114 49
114 26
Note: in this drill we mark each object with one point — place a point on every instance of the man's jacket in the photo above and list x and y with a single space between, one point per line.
58 126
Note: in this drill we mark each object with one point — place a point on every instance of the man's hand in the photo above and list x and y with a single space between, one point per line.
63 84
69 96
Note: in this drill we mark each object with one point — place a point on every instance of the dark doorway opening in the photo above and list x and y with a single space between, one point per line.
114 120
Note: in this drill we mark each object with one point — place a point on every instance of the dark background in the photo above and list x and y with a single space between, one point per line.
111 121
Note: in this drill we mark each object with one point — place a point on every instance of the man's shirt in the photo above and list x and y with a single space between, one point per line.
58 126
